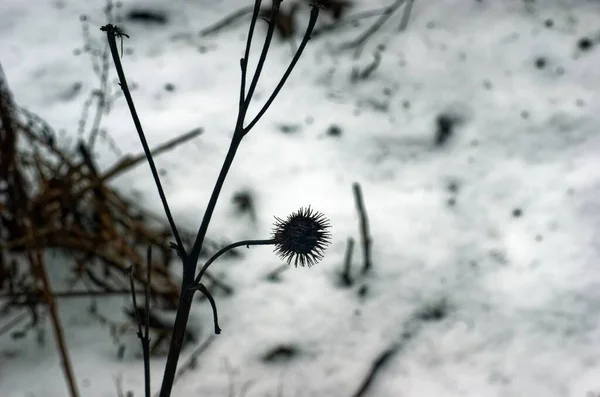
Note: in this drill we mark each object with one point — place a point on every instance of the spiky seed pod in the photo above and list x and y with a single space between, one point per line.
302 237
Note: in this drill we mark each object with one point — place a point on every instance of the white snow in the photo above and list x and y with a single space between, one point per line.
523 292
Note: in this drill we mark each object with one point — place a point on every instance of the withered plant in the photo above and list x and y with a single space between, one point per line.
302 237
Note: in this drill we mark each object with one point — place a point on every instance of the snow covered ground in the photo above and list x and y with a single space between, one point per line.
500 223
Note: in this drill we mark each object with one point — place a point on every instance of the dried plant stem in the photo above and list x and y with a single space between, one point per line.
346 275
348 20
146 339
359 43
364 227
36 259
307 35
72 294
229 19
130 161
111 35
143 337
190 260
406 15
192 359
13 323
377 365
247 243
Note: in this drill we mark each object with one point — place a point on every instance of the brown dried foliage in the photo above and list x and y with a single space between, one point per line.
52 199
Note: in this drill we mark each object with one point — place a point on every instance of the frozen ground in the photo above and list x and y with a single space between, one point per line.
500 222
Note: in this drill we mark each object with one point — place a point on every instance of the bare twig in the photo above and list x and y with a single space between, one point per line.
364 74
406 15
143 336
229 19
347 21
130 161
13 323
377 365
410 330
200 287
364 227
346 275
273 275
307 35
223 250
36 259
72 294
192 359
146 339
112 33
359 43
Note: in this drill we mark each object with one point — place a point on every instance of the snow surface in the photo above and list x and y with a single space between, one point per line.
522 293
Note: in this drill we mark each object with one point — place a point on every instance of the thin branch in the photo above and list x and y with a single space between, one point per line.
346 274
364 227
228 20
203 289
263 55
13 323
377 365
36 259
273 275
347 21
193 357
244 62
227 289
130 161
147 322
111 33
143 337
247 243
102 100
360 42
406 15
73 294
314 13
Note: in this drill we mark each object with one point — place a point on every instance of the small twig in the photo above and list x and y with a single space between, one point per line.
406 15
379 362
229 19
247 243
72 294
364 227
274 274
227 289
203 289
314 14
191 361
147 323
346 275
13 323
357 74
261 60
143 336
102 100
36 259
130 161
360 42
348 20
